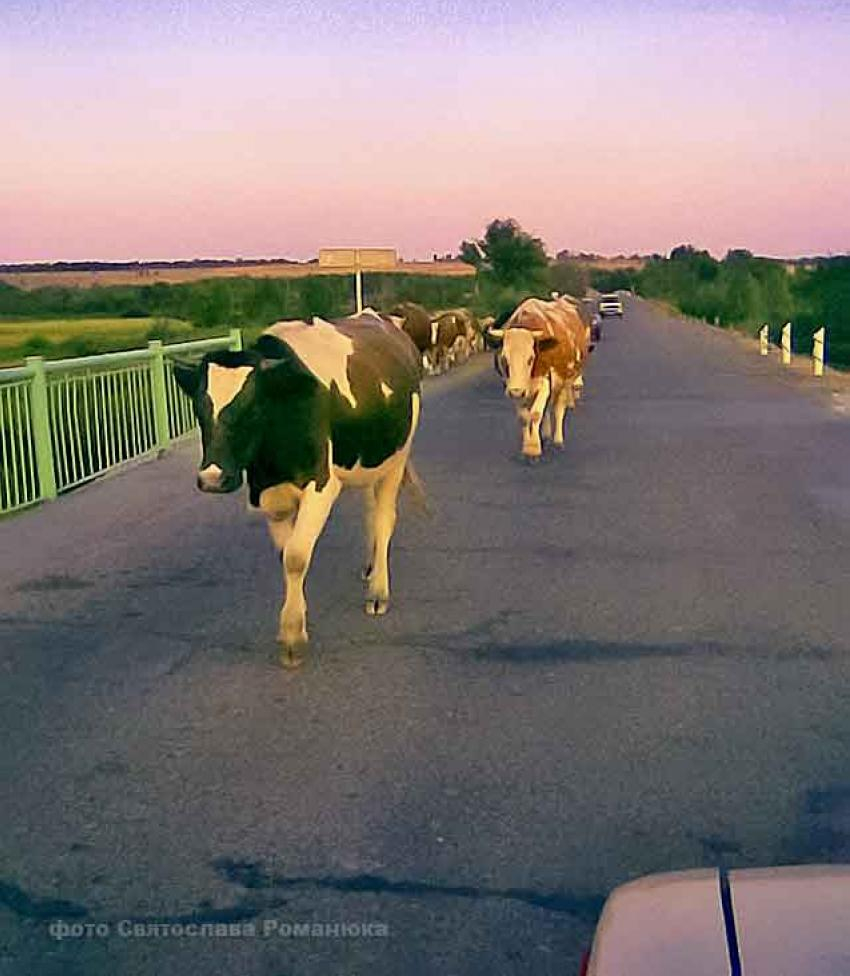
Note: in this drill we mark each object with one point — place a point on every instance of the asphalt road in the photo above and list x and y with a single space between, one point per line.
632 657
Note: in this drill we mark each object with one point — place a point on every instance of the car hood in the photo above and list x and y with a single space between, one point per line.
769 922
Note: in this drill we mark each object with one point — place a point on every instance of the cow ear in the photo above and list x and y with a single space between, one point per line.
188 376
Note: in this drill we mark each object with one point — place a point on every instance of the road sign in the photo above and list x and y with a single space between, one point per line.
356 260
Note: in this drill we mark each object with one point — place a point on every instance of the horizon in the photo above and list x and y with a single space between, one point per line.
624 129
435 257
578 255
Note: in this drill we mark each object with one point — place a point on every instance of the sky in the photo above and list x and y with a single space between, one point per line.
167 129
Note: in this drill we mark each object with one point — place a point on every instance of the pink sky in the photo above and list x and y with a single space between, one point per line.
228 128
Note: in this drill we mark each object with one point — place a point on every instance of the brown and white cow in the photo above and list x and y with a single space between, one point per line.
310 409
449 341
544 347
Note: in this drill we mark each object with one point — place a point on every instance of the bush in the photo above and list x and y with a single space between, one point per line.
613 280
36 346
87 345
569 277
167 331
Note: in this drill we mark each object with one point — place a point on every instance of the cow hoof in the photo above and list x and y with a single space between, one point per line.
532 459
292 645
291 658
376 607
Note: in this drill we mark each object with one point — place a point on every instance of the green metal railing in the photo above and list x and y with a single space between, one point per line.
64 422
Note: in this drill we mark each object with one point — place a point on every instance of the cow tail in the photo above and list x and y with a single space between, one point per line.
417 492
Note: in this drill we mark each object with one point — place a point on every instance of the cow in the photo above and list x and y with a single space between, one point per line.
544 347
470 327
311 409
415 321
449 342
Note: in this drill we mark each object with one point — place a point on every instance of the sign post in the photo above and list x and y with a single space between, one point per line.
786 344
356 260
358 285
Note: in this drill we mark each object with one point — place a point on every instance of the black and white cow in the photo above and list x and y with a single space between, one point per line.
309 410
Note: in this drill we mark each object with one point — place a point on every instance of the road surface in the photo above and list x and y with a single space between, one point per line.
632 657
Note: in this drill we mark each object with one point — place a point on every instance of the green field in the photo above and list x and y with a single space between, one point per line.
63 338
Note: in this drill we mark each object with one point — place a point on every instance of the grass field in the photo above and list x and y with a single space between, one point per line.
63 338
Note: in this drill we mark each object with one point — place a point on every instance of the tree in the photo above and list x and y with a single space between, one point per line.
514 257
471 253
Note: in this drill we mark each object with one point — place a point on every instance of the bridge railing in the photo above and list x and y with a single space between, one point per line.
64 422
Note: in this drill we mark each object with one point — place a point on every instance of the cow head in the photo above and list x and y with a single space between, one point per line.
515 360
230 393
223 391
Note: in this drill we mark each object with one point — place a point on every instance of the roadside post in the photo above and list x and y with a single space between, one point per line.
764 344
786 344
818 349
235 337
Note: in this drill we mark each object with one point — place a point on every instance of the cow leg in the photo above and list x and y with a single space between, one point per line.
386 502
563 401
280 529
531 446
546 423
578 387
312 514
370 504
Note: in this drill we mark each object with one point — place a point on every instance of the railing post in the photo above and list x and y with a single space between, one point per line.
764 340
786 344
818 346
160 400
41 428
235 340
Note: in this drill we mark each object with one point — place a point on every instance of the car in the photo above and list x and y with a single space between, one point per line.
610 305
778 921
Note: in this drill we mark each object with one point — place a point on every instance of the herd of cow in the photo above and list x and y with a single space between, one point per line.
443 339
312 408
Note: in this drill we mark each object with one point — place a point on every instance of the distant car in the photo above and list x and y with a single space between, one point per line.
791 921
610 305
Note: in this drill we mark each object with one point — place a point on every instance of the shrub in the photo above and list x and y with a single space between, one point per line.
36 346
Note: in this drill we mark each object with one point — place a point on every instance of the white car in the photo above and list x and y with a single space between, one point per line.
610 305
792 921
